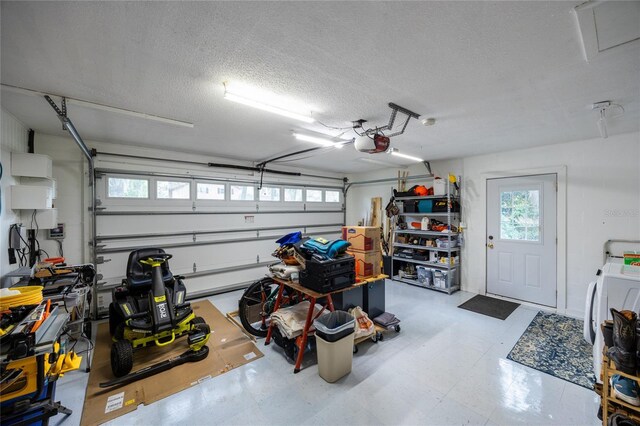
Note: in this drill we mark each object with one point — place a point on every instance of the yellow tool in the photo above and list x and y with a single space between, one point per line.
454 181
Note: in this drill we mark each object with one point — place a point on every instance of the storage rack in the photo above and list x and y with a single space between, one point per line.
611 404
448 217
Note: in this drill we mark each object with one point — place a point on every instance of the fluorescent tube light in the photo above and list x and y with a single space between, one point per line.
263 104
319 141
408 157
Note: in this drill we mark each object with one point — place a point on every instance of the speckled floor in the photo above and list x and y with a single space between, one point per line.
447 366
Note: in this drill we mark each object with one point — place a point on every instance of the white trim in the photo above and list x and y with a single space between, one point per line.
523 303
561 230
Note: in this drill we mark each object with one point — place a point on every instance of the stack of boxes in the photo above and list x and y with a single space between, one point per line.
365 248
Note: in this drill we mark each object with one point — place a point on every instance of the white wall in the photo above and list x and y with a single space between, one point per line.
71 191
603 202
13 138
358 200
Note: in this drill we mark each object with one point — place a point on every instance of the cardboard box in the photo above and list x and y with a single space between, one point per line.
228 346
362 238
632 258
368 264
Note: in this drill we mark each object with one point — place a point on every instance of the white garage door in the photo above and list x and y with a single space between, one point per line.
221 231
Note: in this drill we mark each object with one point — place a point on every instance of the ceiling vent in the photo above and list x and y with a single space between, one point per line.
605 25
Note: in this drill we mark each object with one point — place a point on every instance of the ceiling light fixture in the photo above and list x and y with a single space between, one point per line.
606 110
428 121
408 157
264 101
319 141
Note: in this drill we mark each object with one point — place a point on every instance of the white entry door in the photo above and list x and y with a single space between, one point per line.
521 238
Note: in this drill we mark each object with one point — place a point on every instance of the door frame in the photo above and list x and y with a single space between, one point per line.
561 229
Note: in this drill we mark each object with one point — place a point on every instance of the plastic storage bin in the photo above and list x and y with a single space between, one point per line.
335 358
425 275
440 278
444 243
334 326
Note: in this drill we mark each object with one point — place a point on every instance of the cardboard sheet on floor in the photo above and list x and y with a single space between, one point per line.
228 348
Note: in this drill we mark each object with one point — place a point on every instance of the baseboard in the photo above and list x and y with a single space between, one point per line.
523 303
573 313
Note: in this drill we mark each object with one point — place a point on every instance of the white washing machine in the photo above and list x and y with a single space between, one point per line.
615 287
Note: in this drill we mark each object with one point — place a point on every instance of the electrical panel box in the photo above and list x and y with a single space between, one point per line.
49 183
17 237
44 219
57 233
25 197
33 165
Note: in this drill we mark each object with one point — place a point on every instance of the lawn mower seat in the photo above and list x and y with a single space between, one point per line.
133 297
139 275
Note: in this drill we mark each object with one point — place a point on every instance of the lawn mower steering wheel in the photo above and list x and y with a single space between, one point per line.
160 257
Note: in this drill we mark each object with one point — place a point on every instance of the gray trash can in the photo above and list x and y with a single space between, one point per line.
334 342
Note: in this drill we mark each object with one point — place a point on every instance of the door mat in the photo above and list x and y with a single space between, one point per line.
554 345
489 306
228 348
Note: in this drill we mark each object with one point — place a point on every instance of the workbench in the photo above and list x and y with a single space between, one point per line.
312 296
70 291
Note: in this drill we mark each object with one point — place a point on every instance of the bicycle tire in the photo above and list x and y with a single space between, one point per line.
251 304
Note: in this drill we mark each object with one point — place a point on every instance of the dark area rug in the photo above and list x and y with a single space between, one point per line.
554 345
489 306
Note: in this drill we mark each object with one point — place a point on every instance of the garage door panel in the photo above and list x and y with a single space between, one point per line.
153 224
217 244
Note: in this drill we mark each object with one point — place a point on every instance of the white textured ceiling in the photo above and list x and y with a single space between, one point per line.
496 75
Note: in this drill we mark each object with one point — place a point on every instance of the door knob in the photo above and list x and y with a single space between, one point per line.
490 245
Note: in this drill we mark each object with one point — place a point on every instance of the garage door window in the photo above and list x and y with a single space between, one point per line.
269 194
332 196
127 188
242 193
314 195
293 195
209 191
170 190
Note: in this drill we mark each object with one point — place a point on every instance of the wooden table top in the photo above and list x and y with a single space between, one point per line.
316 295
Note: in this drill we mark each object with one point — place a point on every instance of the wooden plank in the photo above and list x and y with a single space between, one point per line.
231 316
376 212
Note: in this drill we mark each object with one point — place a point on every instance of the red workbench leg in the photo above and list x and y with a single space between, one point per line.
330 303
305 333
275 308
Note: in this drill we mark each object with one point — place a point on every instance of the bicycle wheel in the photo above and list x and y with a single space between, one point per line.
256 304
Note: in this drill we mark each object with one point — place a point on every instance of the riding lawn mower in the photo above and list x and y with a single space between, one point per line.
149 308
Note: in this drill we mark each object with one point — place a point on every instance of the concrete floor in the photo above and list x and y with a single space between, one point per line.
447 366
